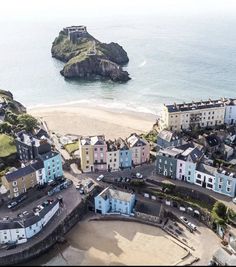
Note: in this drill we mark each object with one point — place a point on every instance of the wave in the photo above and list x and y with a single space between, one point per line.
116 106
142 64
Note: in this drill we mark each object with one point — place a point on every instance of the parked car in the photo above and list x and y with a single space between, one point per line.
127 180
25 212
45 203
100 177
78 186
5 218
192 226
12 204
81 191
11 246
234 200
20 215
184 219
139 175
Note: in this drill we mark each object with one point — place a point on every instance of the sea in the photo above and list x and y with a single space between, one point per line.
171 59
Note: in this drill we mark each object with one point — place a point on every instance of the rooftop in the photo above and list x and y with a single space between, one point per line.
171 151
196 105
115 194
48 155
168 135
135 140
148 208
206 169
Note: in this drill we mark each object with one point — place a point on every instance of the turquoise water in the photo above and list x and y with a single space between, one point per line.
177 58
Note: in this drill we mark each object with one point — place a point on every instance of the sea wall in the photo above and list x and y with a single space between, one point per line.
44 244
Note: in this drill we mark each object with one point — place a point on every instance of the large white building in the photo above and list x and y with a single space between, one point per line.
179 117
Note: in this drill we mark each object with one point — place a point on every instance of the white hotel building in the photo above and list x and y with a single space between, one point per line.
179 117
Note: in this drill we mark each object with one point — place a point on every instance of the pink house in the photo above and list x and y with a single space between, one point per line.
140 149
100 149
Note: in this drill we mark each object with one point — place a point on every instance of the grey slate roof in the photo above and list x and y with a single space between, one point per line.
168 135
195 105
212 140
12 176
4 225
206 169
48 155
148 208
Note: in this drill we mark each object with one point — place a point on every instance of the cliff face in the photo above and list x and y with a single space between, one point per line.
86 57
10 104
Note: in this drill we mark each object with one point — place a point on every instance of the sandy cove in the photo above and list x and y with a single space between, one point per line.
92 121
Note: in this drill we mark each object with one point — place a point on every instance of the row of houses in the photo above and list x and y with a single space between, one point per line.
186 163
39 164
111 201
97 154
19 230
178 117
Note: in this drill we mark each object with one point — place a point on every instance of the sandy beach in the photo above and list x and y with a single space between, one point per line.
115 243
84 120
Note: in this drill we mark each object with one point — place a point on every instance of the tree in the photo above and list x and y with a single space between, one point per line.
28 121
5 127
220 209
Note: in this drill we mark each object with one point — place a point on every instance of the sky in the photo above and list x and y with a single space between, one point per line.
46 9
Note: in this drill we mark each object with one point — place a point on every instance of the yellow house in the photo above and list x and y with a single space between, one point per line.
19 181
86 154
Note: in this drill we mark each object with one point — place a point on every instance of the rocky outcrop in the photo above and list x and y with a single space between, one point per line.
88 58
8 103
93 67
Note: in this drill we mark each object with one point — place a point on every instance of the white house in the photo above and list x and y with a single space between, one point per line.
110 200
205 176
11 232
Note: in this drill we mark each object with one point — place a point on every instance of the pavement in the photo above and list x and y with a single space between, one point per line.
225 199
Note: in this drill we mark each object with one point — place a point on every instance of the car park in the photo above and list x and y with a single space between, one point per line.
100 177
184 219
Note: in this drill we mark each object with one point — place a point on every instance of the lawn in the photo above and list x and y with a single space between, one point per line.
7 146
70 148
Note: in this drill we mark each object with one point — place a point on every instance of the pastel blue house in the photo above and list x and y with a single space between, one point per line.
225 183
190 169
125 155
52 165
110 200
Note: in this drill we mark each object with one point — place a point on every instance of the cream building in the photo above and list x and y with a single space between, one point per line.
86 154
178 117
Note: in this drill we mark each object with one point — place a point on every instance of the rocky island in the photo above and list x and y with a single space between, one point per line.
86 57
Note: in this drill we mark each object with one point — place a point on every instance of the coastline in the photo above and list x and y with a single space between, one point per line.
90 120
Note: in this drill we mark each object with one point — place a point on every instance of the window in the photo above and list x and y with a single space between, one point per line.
87 161
189 172
159 160
228 189
219 186
86 152
210 180
181 164
95 149
101 149
199 175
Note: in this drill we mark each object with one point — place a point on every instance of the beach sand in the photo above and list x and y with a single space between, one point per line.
83 120
116 243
